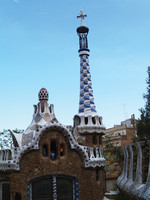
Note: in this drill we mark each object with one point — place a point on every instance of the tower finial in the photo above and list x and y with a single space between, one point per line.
82 17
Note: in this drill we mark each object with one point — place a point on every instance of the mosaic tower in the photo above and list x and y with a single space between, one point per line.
87 119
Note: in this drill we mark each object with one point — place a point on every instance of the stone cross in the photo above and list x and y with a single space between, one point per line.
82 17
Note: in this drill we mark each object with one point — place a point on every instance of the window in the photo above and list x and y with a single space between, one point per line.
64 188
61 150
60 186
53 150
118 133
45 150
107 168
4 190
77 120
117 144
94 139
86 120
93 120
100 120
42 188
115 167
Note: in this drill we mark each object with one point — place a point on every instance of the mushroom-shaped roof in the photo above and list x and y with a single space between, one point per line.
43 94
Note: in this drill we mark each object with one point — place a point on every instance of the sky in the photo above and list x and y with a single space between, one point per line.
39 48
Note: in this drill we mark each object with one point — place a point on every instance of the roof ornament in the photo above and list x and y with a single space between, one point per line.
43 94
82 17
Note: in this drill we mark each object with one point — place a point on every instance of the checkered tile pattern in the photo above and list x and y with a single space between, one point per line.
86 103
26 138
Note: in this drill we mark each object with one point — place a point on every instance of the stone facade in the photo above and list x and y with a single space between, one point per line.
33 164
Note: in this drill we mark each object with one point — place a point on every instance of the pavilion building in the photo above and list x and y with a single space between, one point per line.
53 161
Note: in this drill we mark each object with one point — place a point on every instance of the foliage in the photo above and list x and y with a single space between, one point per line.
6 141
18 130
143 124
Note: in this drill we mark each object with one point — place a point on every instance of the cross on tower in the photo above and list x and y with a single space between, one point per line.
82 17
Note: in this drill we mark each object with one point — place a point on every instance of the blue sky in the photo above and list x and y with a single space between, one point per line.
39 48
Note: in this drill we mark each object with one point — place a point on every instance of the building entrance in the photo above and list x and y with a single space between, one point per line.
53 187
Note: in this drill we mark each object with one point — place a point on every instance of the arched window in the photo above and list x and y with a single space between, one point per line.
45 150
53 150
77 120
86 120
100 120
61 150
93 120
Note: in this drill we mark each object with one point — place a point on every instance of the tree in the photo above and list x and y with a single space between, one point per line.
143 123
6 141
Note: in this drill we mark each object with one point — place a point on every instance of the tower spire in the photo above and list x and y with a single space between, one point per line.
86 103
87 121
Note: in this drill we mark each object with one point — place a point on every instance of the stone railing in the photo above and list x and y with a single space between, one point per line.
135 177
5 155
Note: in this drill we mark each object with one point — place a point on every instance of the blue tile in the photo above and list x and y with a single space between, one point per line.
86 90
81 110
93 110
87 106
86 98
81 102
91 102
